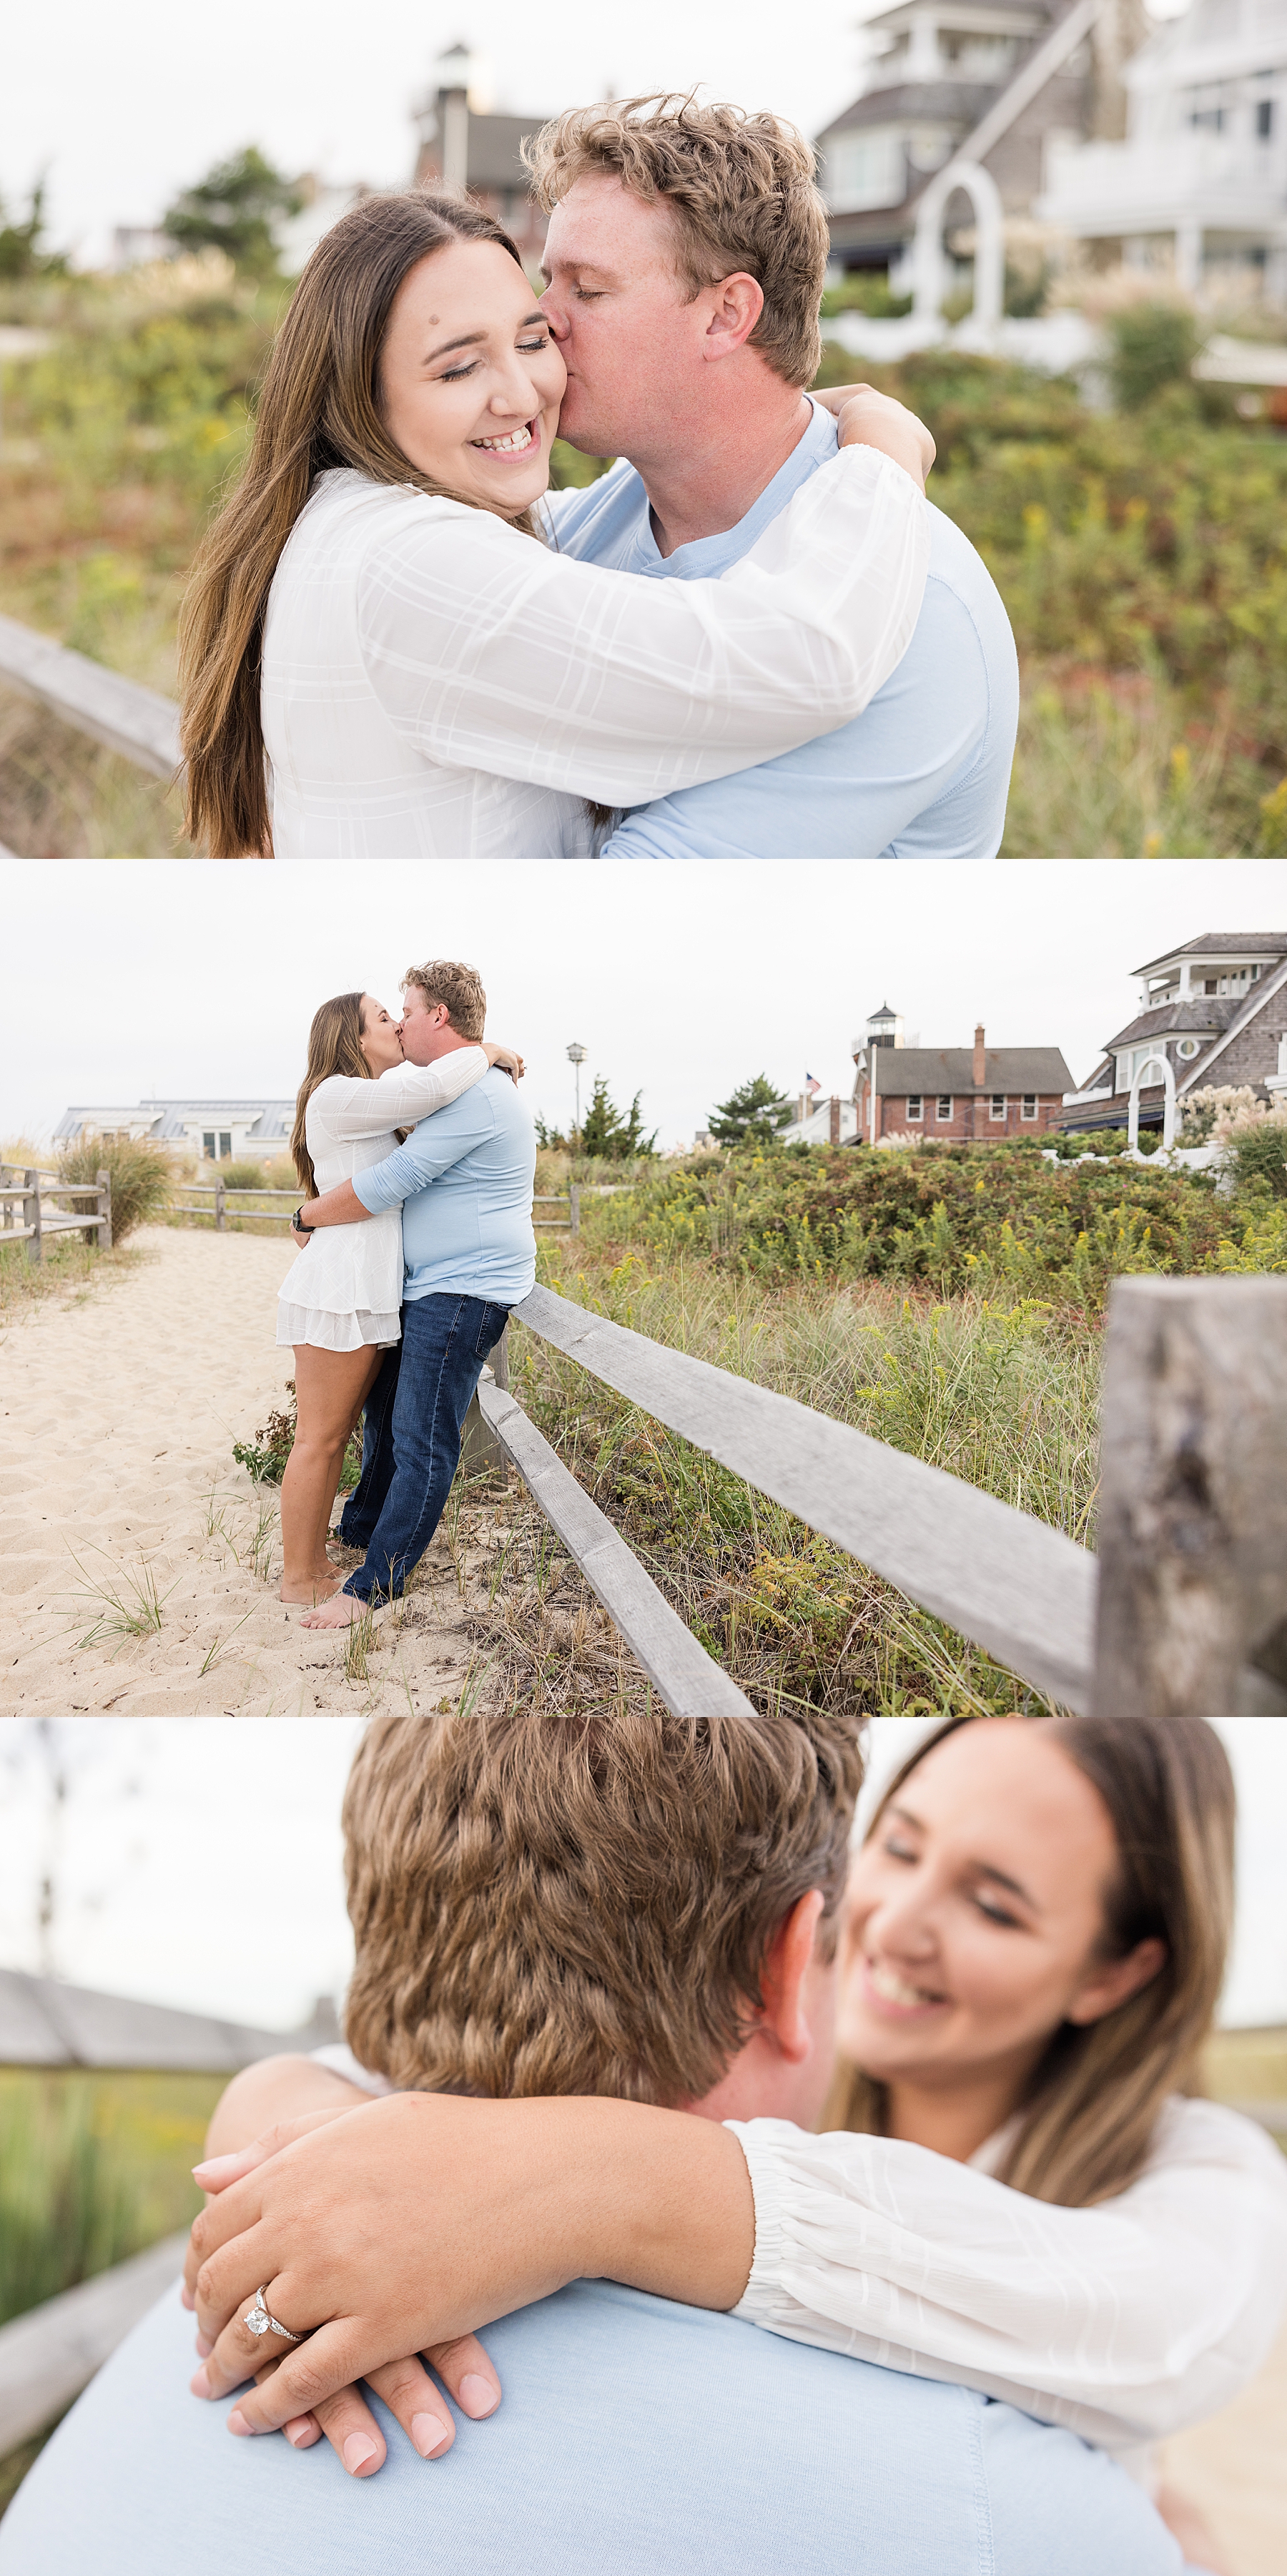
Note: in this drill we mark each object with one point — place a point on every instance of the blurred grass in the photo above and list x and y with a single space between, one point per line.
92 2168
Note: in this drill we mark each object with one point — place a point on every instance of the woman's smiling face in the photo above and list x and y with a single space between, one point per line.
470 379
976 1911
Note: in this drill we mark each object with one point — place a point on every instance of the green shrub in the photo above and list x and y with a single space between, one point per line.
264 1457
1152 346
242 1176
139 1174
1255 1156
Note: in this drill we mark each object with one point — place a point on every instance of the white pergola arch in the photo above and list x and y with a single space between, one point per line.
1146 1065
929 278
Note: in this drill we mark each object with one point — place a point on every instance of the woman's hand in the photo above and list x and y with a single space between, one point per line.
866 418
299 1238
401 2227
507 1058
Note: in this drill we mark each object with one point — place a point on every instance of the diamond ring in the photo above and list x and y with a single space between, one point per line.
261 2323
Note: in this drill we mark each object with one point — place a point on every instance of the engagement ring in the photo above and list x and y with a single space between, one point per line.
260 2322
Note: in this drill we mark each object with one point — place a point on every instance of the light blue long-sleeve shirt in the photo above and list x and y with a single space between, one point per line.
922 773
635 2438
465 1177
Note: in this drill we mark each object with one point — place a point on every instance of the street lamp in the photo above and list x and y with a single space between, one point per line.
576 1056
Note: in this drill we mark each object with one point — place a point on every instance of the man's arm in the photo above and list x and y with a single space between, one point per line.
436 1144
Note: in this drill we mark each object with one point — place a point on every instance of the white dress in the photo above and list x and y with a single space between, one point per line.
346 1289
436 685
1124 2322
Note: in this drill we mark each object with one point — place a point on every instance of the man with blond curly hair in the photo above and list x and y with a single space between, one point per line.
685 259
464 1179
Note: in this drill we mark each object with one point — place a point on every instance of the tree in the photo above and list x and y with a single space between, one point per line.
20 251
550 1139
235 209
609 1136
755 1115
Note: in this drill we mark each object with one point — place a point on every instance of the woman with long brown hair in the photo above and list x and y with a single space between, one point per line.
380 657
338 1305
1026 2194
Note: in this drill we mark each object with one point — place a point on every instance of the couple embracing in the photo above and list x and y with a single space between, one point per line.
412 1246
751 638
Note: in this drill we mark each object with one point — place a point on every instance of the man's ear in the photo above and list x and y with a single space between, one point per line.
734 307
783 2017
1115 1983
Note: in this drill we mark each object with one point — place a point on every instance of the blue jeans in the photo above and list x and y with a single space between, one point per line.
411 1437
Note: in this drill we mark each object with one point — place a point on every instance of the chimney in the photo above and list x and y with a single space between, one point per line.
979 1068
834 1136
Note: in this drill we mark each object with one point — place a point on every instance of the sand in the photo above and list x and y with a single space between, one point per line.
118 1412
1233 2468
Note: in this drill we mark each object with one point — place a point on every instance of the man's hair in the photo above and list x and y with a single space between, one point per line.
554 1903
444 979
742 194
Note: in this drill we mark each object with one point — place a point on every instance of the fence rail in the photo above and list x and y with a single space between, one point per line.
1183 1610
219 1192
33 1190
136 722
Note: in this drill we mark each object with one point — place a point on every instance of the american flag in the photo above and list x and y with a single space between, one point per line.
812 1084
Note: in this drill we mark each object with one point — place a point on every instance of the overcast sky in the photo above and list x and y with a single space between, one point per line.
194 980
124 105
200 1859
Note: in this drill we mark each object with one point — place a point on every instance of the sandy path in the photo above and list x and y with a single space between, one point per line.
118 1413
1233 2467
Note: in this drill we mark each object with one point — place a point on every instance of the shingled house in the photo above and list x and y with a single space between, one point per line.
464 145
213 1130
1216 1008
975 1095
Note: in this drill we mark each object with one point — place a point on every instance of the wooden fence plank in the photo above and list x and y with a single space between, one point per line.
136 722
1193 1504
680 1670
49 2355
1018 1588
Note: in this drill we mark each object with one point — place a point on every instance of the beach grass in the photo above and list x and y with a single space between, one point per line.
95 2167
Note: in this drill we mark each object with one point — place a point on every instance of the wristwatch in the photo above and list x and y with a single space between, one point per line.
298 1221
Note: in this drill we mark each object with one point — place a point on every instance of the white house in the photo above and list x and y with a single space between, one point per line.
1198 189
216 1131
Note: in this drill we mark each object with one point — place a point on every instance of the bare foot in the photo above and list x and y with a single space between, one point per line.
339 1613
312 1588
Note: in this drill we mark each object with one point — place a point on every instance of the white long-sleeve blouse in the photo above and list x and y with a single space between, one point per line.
437 685
346 1288
1124 2322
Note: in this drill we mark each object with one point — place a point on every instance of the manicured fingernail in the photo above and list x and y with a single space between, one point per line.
430 2435
237 2422
217 2166
302 2433
200 2384
186 2299
358 2449
204 2345
477 2395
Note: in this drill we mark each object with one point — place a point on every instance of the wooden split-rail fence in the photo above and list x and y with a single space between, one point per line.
1182 1609
135 722
42 1220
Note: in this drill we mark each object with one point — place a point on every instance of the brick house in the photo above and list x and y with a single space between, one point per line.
1216 1008
977 1095
462 144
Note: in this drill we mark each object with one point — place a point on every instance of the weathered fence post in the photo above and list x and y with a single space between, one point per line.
220 1226
105 1210
482 1453
500 1361
574 1208
1192 1542
31 1212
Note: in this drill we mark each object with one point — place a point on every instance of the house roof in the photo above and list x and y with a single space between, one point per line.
1223 943
1203 1016
915 102
270 1120
900 1070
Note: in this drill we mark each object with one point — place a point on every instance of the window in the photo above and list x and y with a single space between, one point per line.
1188 1047
864 170
209 1145
915 1105
944 1109
1029 1106
1264 119
996 1106
216 1144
